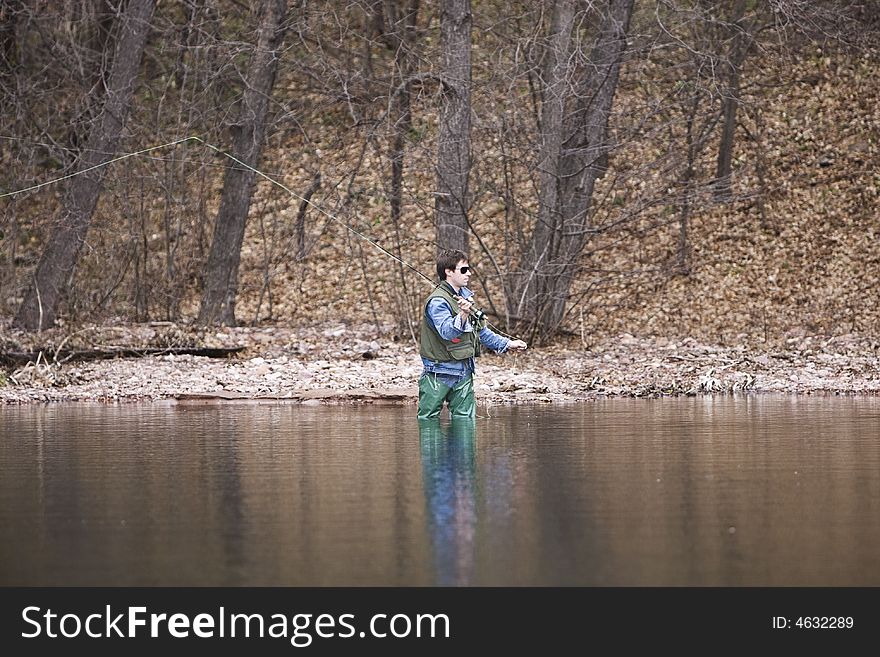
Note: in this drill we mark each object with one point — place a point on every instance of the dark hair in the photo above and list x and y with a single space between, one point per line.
448 260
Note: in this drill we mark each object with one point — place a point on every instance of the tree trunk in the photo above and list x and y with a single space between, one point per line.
396 22
453 152
40 306
400 38
9 18
221 273
554 91
573 156
730 103
724 168
686 187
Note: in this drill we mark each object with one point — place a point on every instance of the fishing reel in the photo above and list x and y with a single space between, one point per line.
477 315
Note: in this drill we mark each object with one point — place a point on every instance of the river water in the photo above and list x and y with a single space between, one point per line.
704 491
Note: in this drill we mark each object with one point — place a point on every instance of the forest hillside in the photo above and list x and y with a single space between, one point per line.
782 246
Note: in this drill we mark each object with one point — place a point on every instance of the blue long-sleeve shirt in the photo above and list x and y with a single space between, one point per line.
449 326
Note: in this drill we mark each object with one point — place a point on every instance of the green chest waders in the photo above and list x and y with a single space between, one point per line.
432 394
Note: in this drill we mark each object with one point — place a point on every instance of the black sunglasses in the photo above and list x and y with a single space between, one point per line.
463 270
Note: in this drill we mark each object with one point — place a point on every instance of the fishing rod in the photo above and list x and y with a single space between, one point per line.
478 313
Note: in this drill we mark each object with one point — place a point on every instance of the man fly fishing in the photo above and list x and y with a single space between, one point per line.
451 333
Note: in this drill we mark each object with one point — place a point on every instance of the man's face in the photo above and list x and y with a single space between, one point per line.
456 278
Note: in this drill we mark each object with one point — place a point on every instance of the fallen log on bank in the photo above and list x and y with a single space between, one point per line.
16 358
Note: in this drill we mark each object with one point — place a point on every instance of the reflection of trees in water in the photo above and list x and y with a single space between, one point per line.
448 465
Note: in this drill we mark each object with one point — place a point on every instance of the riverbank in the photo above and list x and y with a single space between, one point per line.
363 364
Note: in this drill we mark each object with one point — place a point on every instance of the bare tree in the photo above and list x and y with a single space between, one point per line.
40 305
221 273
453 149
740 33
574 151
399 22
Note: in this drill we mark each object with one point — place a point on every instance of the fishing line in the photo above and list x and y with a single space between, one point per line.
96 166
250 168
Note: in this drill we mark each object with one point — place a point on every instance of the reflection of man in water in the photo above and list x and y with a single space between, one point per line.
448 466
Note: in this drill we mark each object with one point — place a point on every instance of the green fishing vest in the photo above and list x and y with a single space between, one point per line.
435 348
